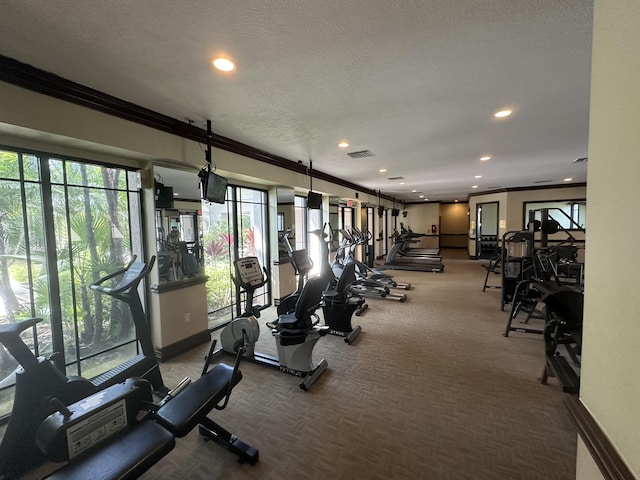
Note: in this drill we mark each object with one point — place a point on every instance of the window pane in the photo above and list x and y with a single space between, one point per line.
31 166
217 241
94 366
250 195
9 165
56 170
561 211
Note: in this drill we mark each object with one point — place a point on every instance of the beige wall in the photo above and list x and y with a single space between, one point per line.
454 224
420 217
610 387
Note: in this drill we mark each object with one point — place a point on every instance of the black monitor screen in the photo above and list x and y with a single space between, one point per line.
164 196
395 212
314 200
215 187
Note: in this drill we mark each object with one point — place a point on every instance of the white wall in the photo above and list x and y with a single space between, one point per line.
610 387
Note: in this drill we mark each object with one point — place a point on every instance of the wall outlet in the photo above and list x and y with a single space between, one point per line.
187 317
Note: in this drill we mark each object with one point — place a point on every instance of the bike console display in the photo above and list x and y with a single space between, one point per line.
249 272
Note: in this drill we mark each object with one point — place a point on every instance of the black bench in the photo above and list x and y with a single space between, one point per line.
133 450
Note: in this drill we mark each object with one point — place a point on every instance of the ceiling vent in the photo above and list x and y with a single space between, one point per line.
361 154
395 178
543 181
581 160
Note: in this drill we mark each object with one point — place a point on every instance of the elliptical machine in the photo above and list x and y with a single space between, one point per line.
295 333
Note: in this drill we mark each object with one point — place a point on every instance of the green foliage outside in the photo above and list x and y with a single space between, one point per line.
90 242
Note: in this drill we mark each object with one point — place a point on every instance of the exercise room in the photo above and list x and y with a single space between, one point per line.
318 240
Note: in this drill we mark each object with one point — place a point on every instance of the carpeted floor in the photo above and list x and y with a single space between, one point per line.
430 390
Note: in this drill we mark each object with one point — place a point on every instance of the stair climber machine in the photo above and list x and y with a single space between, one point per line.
363 286
295 333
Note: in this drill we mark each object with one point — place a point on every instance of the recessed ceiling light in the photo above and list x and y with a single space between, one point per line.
485 158
568 179
456 200
502 113
343 144
413 191
478 176
382 170
176 194
426 199
474 186
223 64
401 183
421 196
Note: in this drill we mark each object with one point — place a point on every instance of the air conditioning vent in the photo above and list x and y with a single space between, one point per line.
395 178
580 160
362 154
543 181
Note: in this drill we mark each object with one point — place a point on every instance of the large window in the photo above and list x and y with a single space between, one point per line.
235 229
570 214
64 223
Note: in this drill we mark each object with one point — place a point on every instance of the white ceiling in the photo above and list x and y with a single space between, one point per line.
414 81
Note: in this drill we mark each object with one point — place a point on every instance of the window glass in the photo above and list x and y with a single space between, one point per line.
570 214
56 239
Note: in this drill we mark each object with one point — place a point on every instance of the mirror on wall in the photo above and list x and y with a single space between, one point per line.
286 217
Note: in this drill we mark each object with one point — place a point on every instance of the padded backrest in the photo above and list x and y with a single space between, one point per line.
347 277
310 297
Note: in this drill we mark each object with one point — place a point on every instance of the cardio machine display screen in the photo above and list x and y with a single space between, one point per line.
249 271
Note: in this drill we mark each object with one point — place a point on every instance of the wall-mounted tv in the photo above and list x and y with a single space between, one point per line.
395 212
314 200
213 187
163 196
380 211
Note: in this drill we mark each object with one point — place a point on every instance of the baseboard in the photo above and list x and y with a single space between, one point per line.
165 353
600 447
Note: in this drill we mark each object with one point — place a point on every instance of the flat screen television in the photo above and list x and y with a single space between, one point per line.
213 186
314 200
380 211
164 196
395 212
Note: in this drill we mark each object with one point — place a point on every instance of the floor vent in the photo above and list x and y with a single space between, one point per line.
361 154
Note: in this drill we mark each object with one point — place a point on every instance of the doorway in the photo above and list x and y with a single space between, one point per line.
486 229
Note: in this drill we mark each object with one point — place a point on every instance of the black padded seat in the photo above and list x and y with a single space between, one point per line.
182 413
126 455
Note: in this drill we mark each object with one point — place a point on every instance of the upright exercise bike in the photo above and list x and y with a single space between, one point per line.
295 333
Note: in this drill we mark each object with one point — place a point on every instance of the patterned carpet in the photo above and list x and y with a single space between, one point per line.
430 390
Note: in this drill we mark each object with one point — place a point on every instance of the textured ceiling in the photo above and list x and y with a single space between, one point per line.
416 82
